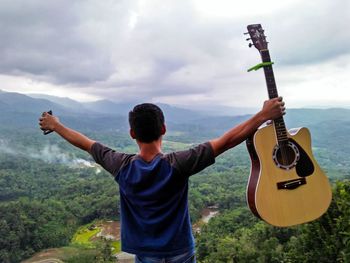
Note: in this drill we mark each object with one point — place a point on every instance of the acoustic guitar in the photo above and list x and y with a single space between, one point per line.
286 185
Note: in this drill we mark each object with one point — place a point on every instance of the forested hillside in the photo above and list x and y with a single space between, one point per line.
49 189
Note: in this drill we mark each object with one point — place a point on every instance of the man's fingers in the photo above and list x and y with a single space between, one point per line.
281 105
283 110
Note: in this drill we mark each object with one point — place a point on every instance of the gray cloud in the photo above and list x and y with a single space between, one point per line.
311 32
59 41
134 50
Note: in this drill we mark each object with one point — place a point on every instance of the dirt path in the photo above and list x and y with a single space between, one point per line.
209 213
109 230
50 255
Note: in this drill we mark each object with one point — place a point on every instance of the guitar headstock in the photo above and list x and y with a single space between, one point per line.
256 33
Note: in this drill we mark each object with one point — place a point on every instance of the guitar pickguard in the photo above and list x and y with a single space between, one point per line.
296 157
304 166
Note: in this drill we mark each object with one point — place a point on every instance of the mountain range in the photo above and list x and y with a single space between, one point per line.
36 103
22 111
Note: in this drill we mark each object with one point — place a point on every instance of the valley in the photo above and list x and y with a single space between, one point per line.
51 191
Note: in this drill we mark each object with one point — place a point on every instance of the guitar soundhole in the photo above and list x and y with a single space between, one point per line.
286 156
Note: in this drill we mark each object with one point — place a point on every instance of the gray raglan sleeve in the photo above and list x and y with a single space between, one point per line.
194 160
109 159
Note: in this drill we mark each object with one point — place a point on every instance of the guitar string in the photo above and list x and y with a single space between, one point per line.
273 94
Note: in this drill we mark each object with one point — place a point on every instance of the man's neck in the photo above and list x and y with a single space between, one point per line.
149 150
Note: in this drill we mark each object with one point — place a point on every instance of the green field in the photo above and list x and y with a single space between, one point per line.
84 234
83 247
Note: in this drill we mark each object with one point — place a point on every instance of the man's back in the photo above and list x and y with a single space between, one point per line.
154 198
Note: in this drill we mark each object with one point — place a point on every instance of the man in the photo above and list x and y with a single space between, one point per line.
155 222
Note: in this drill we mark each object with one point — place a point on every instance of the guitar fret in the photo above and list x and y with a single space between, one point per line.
281 134
270 79
280 128
280 131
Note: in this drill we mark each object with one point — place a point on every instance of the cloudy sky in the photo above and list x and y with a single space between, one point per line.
182 52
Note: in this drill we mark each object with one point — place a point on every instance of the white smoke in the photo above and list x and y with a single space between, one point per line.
5 148
50 154
53 154
82 162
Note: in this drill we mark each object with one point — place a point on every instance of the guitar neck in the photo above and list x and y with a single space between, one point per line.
269 76
280 127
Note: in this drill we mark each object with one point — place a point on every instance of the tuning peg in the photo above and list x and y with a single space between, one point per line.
248 39
250 45
246 33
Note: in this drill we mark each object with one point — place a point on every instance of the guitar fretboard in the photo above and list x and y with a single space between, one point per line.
280 127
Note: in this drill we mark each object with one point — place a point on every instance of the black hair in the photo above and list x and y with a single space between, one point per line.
147 121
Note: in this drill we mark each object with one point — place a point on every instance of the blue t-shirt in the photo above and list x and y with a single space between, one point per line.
154 197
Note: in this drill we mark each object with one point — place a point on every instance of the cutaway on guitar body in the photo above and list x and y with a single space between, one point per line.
285 194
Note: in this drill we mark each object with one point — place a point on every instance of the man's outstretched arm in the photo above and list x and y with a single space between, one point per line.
49 122
271 110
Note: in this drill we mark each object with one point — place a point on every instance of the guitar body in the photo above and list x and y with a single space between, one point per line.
286 196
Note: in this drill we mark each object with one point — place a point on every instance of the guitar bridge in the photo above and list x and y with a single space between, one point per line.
291 184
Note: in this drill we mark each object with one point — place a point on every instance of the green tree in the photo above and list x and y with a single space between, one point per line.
328 238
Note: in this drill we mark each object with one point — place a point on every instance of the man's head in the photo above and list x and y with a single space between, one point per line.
146 122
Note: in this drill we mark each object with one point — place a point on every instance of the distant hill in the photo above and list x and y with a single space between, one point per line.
330 128
219 110
306 117
172 113
108 107
72 105
22 111
16 102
